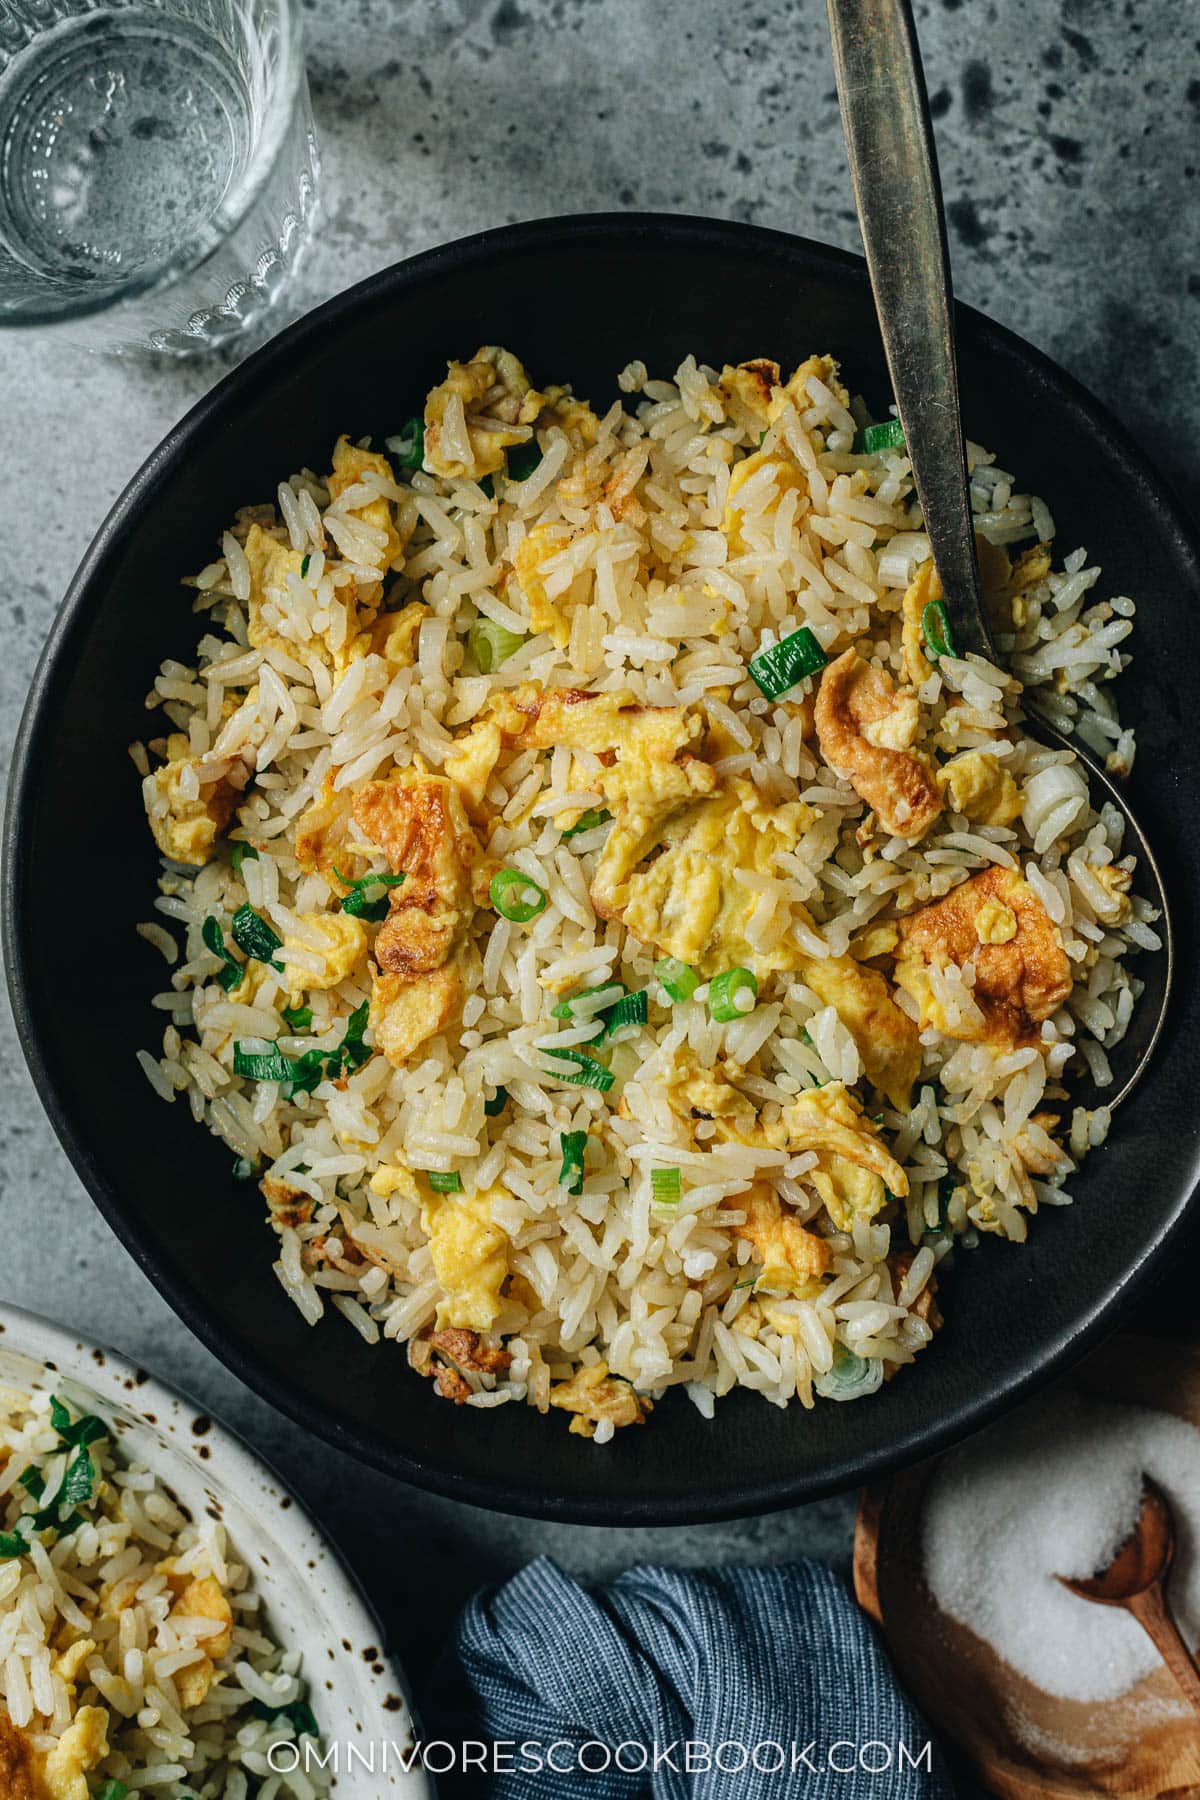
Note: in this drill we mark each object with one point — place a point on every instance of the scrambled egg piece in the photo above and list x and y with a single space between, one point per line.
593 1396
200 1597
995 924
1115 881
793 1260
82 1745
475 754
394 1178
344 944
72 1659
785 476
272 560
795 389
491 387
188 829
394 635
748 391
866 730
1019 981
470 1257
350 464
977 784
887 1039
534 551
856 1171
688 901
422 950
321 829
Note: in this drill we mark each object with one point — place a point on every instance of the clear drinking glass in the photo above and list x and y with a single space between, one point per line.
158 167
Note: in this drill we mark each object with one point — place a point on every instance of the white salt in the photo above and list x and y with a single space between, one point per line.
1055 1490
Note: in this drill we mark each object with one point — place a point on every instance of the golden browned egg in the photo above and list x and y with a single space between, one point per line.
594 1396
885 1037
866 731
470 1256
491 387
793 1260
20 1764
1022 974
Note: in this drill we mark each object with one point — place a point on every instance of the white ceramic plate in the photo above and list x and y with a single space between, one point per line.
310 1597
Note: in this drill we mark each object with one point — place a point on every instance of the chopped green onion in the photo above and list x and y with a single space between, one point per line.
935 629
574 1148
782 665
82 1431
665 1185
230 974
304 562
305 1073
444 1183
357 901
523 459
255 937
496 1105
487 486
31 1480
298 1713
79 1482
516 897
732 994
262 1065
565 1009
679 981
889 435
113 1790
588 821
298 1018
11 1544
587 1073
409 447
242 852
628 1015
492 644
244 1169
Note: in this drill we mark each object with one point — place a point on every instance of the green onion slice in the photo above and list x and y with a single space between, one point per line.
889 435
732 994
298 1713
11 1544
262 1065
113 1790
444 1183
935 629
574 1149
565 1009
231 972
297 1018
782 665
242 852
588 821
408 447
587 1071
523 459
82 1431
516 897
357 901
244 1169
304 562
79 1482
679 980
487 486
255 937
492 644
496 1105
627 1016
665 1185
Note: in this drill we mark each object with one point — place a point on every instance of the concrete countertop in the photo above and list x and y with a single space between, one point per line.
1069 138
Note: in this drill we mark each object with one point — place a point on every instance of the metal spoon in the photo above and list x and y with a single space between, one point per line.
1134 1580
893 166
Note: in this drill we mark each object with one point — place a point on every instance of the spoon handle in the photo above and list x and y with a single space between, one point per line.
1154 1615
889 140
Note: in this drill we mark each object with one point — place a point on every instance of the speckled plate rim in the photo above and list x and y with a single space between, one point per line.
1087 1325
339 1602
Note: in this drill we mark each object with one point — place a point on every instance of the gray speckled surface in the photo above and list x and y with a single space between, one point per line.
1069 147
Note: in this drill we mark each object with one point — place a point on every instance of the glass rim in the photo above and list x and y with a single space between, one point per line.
286 82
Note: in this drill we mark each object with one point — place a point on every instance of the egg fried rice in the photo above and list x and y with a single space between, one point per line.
133 1656
624 944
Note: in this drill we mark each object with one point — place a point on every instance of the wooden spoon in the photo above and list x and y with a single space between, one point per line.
1134 1579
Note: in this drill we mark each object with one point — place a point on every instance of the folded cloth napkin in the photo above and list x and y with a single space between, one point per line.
738 1683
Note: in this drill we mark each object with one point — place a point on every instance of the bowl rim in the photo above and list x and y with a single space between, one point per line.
247 1475
560 234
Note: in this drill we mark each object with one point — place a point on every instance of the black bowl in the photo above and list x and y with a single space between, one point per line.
577 299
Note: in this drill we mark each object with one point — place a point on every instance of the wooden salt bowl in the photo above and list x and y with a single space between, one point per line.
1024 1744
